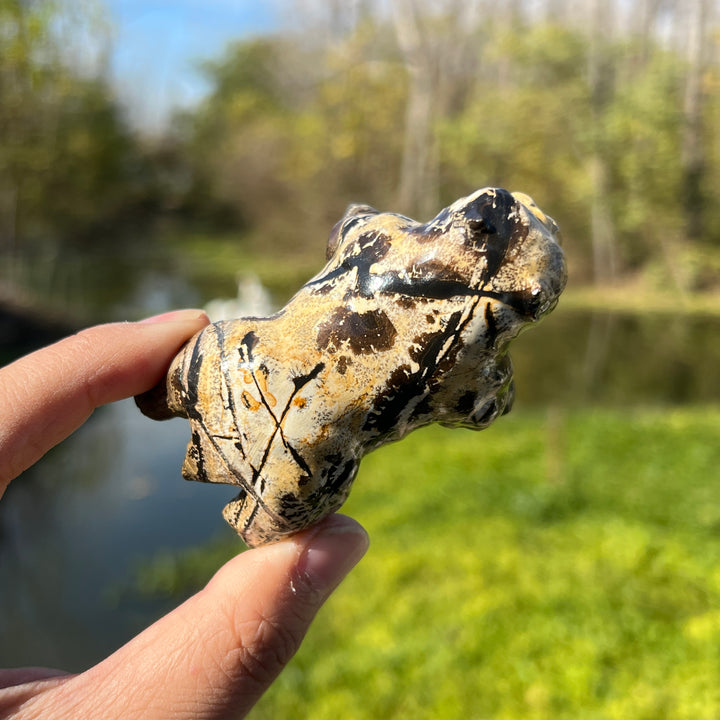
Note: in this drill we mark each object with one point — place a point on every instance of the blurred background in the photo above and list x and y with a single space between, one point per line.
563 563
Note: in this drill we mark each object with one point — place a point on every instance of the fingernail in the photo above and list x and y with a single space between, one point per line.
177 316
334 549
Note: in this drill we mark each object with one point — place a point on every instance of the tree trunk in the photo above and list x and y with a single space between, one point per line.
692 138
601 87
417 193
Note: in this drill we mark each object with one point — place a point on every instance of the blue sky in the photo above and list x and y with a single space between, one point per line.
157 42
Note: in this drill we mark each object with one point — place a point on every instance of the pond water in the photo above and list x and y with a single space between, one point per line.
74 527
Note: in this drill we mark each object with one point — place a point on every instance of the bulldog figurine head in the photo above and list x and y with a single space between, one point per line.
406 325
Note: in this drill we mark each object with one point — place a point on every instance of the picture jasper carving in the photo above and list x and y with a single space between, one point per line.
407 324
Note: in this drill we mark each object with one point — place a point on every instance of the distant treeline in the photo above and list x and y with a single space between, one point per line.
605 112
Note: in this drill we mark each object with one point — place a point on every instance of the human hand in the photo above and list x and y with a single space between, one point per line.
214 655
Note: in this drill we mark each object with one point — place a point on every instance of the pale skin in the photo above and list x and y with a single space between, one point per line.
215 654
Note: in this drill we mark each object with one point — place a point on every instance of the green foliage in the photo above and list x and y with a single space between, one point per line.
557 565
296 128
528 132
290 135
504 582
66 158
537 131
276 147
170 574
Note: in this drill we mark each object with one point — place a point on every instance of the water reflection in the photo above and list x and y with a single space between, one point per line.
74 526
580 358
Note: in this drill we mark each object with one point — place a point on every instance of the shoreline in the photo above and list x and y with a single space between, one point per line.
631 299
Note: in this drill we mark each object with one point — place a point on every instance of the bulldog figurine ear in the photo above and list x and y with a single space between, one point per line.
352 215
406 325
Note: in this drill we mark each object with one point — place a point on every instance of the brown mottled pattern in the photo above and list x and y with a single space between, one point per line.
407 324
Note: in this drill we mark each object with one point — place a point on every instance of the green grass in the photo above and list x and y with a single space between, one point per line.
558 565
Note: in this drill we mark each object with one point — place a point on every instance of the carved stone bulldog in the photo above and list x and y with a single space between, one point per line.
406 325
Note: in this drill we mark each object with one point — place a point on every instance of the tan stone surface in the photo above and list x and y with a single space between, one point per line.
407 324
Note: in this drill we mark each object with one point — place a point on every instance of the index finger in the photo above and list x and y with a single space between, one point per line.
46 395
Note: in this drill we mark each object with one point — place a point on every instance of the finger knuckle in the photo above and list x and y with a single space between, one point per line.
265 647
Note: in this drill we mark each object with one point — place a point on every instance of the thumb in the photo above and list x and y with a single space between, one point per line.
215 655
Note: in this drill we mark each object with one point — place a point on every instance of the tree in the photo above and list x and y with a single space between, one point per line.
600 78
436 48
66 157
693 144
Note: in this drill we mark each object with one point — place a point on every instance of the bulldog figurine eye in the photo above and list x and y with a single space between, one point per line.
406 325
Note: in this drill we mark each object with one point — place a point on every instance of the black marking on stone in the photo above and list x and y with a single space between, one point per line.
196 452
351 222
299 459
400 388
256 471
220 335
364 333
290 505
371 247
403 386
243 483
245 401
423 408
509 397
491 323
194 414
345 474
429 345
248 344
300 381
329 277
251 517
440 289
432 288
496 228
342 364
430 230
323 289
522 302
239 447
355 213
482 225
330 462
485 414
192 382
406 302
466 403
336 477
266 453
239 500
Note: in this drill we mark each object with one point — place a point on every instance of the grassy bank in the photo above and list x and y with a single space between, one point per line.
638 299
557 565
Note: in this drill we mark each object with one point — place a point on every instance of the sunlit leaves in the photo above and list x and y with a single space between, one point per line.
521 115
